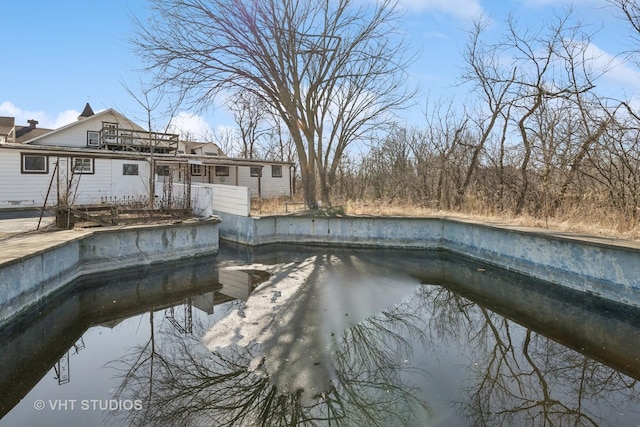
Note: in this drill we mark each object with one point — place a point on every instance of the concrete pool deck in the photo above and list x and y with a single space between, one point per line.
34 264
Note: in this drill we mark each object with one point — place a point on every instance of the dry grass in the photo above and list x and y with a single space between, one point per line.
579 220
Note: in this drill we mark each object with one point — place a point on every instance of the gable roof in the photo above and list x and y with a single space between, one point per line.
81 120
7 125
25 133
192 145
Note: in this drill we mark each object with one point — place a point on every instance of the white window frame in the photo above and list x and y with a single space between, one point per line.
276 171
83 165
30 170
110 131
93 135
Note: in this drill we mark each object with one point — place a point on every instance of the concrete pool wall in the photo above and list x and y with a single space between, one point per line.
37 265
608 268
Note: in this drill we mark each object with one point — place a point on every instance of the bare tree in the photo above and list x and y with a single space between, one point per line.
150 99
227 139
483 70
630 10
544 68
281 146
333 70
249 113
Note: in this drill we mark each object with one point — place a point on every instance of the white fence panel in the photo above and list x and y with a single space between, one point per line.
202 201
231 199
205 198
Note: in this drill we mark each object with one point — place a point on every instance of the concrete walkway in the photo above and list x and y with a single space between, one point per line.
12 227
19 238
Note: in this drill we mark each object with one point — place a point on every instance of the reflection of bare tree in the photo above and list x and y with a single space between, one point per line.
519 377
189 385
140 366
370 367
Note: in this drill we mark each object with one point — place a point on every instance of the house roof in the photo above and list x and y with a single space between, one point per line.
87 112
192 145
80 120
29 135
6 125
25 133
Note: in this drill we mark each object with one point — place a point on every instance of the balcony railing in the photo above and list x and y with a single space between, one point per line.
117 139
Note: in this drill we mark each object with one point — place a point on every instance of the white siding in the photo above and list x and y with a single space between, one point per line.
17 189
223 180
241 176
274 187
130 186
75 135
245 179
109 185
106 184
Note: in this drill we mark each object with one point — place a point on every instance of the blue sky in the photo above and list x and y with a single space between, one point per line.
60 55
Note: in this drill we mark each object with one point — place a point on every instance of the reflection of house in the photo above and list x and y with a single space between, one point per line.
105 157
236 283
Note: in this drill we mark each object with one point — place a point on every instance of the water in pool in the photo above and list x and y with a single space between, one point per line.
291 335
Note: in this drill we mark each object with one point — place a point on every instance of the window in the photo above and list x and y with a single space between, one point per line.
196 170
222 170
256 171
110 132
82 165
110 129
127 138
210 153
276 171
163 170
129 169
35 164
93 138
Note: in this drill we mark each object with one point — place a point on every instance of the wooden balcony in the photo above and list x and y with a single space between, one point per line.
115 138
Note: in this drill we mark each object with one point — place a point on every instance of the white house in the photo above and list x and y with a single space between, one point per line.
105 157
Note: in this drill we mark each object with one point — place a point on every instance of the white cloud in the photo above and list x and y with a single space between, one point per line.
619 72
461 9
8 108
191 125
66 117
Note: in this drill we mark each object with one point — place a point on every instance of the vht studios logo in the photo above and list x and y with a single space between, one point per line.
88 405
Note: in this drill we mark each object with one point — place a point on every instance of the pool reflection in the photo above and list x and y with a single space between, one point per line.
316 336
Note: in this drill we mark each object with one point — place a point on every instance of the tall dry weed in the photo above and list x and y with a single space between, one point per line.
581 218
